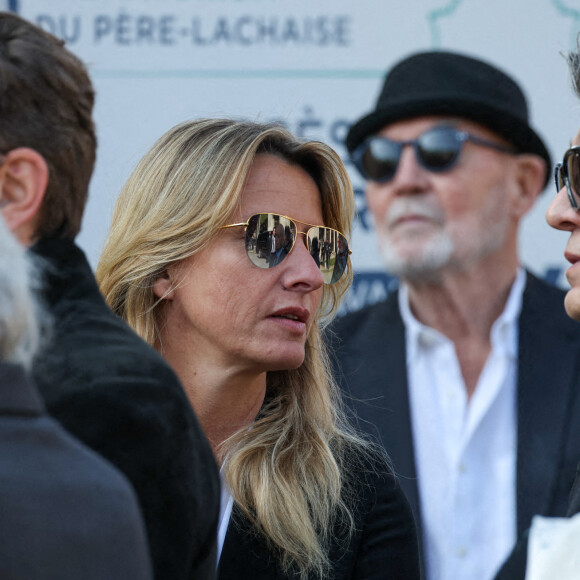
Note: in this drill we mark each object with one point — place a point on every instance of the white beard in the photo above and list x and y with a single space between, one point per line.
423 265
422 257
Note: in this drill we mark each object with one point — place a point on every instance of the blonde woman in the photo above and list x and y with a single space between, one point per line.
189 264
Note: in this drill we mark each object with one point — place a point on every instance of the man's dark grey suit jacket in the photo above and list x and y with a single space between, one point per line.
65 513
369 349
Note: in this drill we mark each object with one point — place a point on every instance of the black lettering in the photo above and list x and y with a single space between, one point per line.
103 27
196 33
343 31
338 131
267 30
280 121
167 30
245 30
242 23
290 31
309 123
70 29
221 31
122 30
362 214
322 36
145 28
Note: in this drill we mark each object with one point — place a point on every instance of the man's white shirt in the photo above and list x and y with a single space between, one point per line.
465 451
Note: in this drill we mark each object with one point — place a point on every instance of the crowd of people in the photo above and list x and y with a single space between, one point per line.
195 410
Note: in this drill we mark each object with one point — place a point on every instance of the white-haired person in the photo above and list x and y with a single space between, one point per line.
187 264
66 512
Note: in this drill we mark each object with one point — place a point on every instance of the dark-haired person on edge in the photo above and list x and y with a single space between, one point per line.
96 376
554 549
468 372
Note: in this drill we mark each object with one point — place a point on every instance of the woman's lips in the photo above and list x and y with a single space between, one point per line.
292 317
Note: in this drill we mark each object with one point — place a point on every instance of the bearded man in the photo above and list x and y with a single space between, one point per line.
467 374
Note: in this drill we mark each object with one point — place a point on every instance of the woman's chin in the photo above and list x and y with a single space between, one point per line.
286 361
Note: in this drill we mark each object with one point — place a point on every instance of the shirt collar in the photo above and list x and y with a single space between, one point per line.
504 329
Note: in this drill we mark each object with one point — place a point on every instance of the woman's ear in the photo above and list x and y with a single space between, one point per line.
23 183
163 287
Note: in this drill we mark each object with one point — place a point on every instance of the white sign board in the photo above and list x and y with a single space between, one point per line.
315 66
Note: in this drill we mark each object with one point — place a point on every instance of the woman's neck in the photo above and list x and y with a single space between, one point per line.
225 400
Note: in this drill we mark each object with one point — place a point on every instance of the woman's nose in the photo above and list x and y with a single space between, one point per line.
301 270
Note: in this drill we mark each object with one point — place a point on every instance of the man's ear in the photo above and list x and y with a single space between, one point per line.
23 182
529 180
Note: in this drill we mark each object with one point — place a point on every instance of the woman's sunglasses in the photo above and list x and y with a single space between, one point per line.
271 237
568 174
436 150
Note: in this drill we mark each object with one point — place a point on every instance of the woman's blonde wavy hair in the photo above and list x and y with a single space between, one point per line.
286 473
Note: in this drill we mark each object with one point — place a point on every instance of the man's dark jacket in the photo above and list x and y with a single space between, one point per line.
118 396
66 513
369 347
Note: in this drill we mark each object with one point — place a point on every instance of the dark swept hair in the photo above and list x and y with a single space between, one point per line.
46 103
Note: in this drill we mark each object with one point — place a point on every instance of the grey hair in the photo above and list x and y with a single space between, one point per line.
573 59
19 310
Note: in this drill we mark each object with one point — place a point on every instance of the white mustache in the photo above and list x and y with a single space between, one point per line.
403 207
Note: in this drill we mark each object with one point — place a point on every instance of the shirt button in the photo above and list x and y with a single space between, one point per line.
427 339
462 468
461 552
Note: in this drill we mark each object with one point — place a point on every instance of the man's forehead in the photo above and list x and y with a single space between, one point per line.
412 127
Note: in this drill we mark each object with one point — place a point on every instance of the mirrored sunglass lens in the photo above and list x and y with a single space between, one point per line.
573 170
269 239
563 175
380 159
329 249
559 177
438 150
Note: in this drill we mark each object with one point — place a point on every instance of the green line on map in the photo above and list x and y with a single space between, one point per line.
569 12
435 15
240 73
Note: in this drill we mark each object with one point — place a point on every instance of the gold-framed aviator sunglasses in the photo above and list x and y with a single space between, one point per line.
271 237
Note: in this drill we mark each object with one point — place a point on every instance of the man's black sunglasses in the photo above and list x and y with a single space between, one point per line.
436 150
568 174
